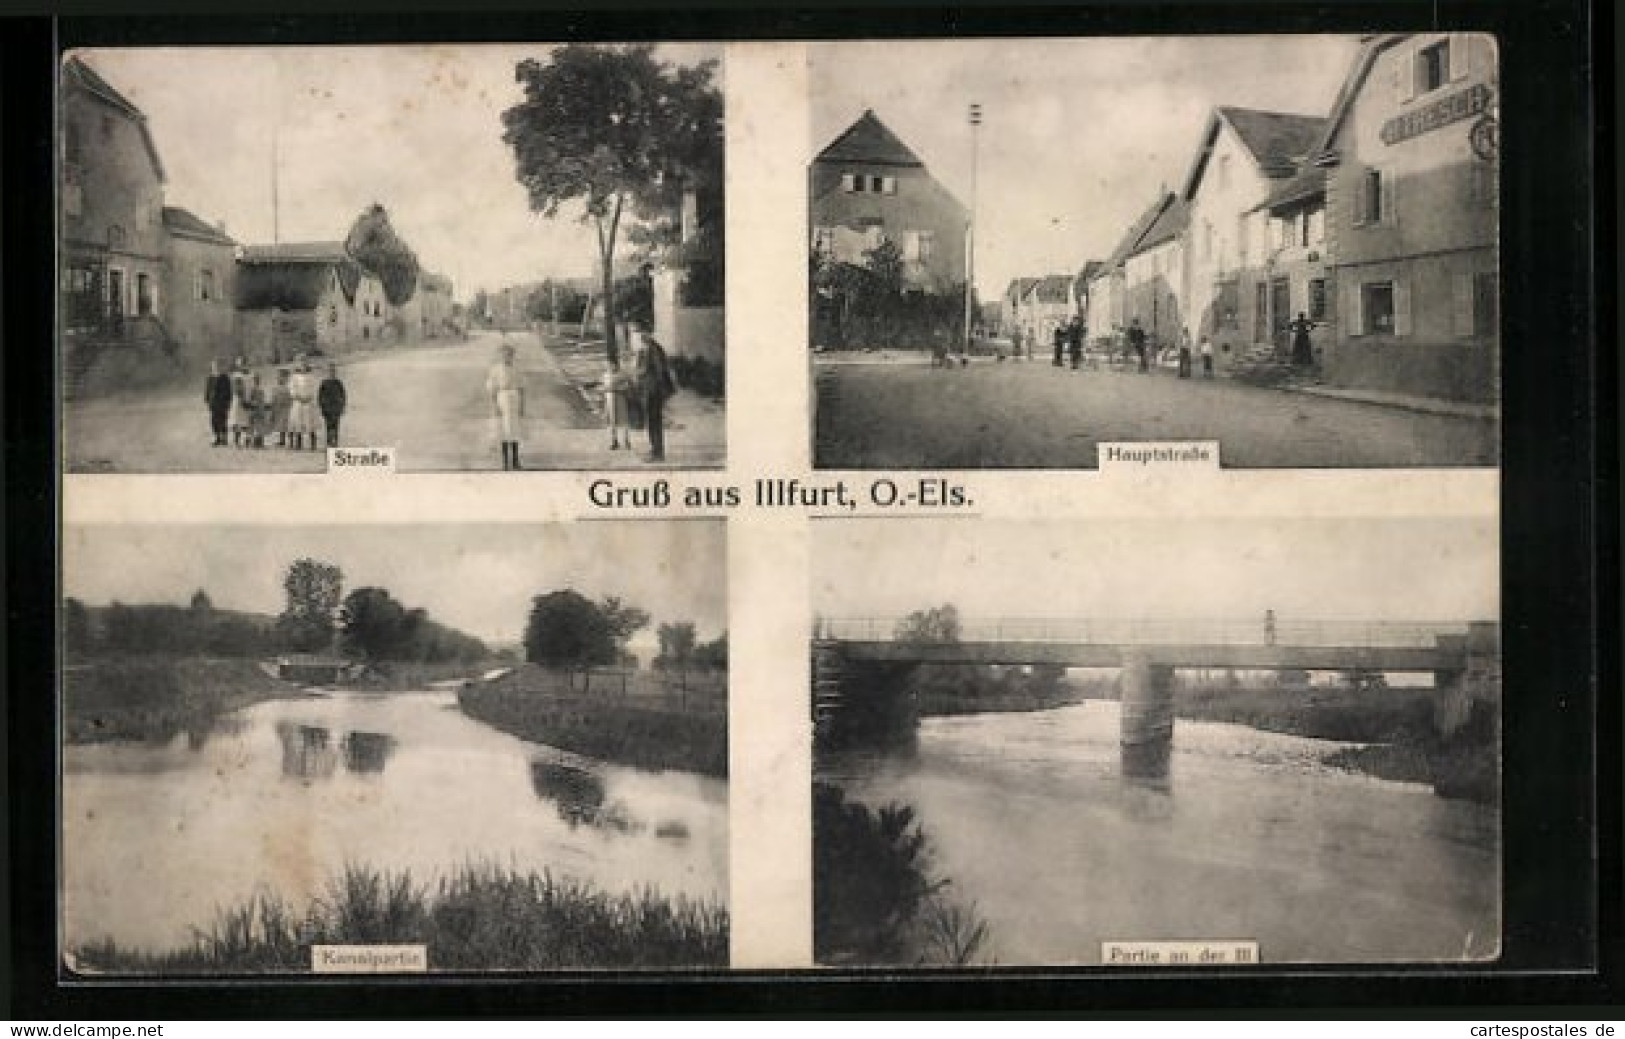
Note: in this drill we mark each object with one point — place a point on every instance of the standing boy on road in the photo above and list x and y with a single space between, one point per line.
331 398
217 396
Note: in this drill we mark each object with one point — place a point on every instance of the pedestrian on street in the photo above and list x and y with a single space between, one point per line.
1015 343
331 399
217 398
1136 342
654 378
302 415
1074 342
237 417
1303 351
1207 357
256 411
1059 336
617 384
503 386
281 407
1184 353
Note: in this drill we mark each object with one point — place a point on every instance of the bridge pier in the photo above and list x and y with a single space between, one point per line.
1146 723
861 704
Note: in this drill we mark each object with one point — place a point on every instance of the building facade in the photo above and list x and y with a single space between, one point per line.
199 287
112 197
305 297
1154 274
1249 240
1412 218
868 187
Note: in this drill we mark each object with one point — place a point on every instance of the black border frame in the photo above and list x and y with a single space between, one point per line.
1559 552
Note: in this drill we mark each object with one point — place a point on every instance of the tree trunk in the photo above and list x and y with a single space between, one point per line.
606 256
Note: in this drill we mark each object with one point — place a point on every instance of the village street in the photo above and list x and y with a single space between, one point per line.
427 402
1023 414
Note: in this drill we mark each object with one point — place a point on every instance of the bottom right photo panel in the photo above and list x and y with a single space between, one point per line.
1155 742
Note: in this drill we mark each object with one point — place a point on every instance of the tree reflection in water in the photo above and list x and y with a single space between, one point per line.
579 798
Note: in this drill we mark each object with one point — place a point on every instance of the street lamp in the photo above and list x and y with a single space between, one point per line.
975 116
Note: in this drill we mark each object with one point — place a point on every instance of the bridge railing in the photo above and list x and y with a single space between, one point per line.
1163 631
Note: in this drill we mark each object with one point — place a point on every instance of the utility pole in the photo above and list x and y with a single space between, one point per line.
276 223
970 229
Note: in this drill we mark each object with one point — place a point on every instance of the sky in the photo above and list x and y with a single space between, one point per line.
1076 135
1302 568
479 578
416 128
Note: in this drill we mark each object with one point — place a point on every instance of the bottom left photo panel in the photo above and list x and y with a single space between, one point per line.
292 748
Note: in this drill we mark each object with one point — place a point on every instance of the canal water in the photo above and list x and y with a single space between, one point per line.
279 797
1250 836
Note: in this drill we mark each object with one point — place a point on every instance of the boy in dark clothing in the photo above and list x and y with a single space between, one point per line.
217 396
330 398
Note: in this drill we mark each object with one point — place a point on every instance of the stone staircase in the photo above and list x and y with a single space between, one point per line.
1261 365
85 351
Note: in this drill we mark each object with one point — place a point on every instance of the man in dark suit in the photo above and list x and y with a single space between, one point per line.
217 396
655 380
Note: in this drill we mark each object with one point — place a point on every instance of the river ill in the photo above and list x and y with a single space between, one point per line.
1249 837
279 797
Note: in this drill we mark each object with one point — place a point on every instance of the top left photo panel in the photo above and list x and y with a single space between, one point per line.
419 258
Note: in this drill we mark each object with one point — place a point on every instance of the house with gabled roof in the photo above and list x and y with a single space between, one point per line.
136 274
1248 265
1410 155
1046 305
1154 272
1107 313
199 285
868 187
305 297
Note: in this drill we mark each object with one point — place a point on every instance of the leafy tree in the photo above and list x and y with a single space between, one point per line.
374 624
938 624
567 630
312 589
713 653
616 130
624 621
885 262
76 633
201 601
374 245
677 643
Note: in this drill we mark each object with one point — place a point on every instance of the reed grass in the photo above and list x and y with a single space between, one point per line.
478 916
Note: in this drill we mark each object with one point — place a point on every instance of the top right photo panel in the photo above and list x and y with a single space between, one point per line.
1026 253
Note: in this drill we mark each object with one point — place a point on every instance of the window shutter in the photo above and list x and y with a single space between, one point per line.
1404 74
888 185
848 182
1353 311
1402 308
1460 56
1461 298
1386 186
1359 199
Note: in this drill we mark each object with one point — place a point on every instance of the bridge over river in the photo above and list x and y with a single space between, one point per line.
861 665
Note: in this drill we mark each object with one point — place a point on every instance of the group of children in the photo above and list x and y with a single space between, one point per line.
240 406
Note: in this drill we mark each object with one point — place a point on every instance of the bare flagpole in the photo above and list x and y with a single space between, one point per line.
970 228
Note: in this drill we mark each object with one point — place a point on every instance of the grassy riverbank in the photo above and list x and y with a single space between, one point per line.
1398 723
645 730
392 676
157 697
479 917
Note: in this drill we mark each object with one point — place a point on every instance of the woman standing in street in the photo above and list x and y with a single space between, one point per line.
502 385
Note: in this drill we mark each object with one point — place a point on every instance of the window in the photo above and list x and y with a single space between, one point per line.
850 183
888 185
1433 67
917 246
72 148
1315 227
115 236
205 284
145 304
1377 308
1224 171
1374 203
1317 299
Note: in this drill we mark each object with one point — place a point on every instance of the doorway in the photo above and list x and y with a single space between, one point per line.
1280 313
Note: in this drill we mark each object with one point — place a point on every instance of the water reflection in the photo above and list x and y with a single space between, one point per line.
285 793
366 753
578 796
